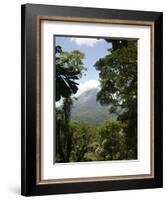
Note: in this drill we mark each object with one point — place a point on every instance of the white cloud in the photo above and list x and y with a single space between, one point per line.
87 86
86 41
83 87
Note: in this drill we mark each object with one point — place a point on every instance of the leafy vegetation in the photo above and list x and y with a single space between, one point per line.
83 137
118 78
111 140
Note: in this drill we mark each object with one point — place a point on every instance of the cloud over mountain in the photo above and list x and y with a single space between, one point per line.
83 87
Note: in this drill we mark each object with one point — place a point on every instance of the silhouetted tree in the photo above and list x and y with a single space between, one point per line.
69 68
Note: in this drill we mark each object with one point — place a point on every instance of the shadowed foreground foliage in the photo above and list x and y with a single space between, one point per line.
90 143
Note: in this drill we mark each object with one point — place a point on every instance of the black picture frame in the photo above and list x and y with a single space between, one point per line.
30 14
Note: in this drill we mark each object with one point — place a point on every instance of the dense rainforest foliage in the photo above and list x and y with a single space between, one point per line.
116 137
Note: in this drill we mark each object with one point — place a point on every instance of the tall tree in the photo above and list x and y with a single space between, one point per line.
69 68
118 79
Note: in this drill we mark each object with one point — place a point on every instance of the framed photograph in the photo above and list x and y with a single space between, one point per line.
91 99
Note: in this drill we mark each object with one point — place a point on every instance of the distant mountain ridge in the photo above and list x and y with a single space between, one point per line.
87 109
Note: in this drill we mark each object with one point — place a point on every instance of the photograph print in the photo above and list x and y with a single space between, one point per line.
95 99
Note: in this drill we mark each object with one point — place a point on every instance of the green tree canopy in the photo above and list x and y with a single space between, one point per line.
83 136
111 139
118 79
73 60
